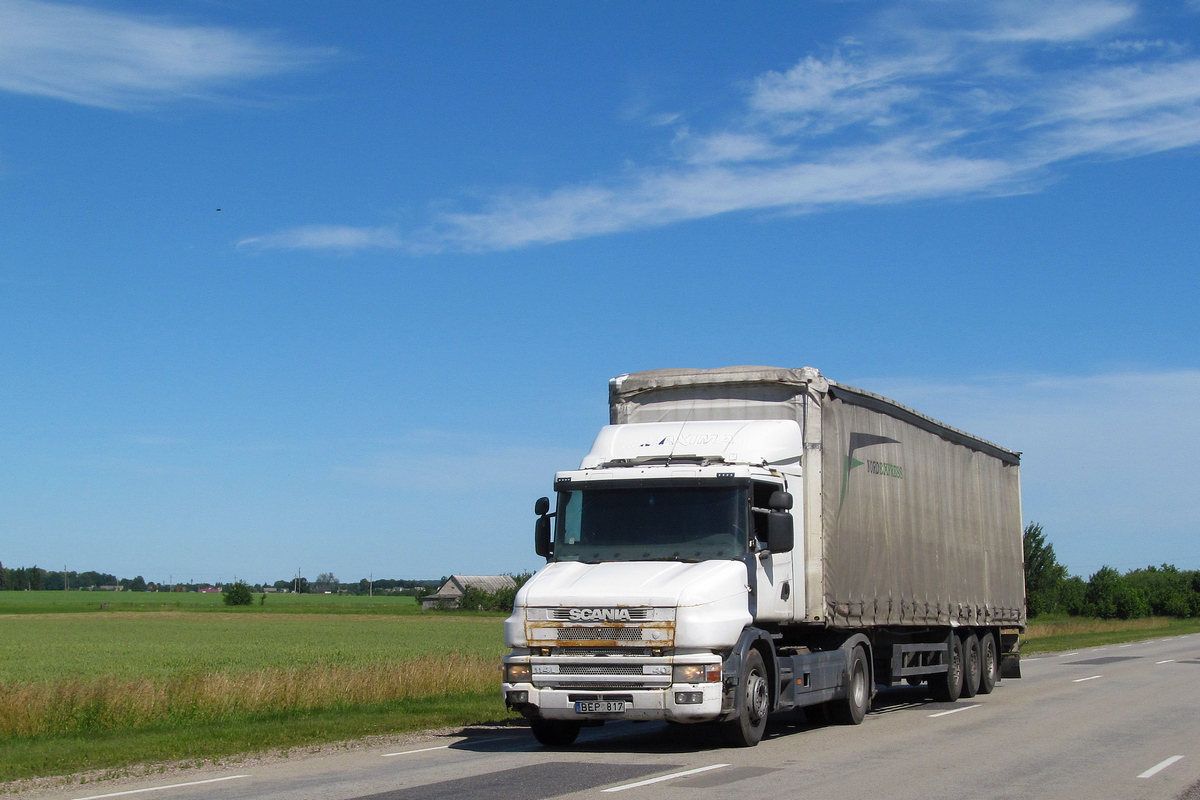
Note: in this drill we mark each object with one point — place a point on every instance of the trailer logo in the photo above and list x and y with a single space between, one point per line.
860 440
599 614
691 440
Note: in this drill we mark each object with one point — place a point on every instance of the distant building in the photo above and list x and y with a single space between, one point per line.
208 590
450 592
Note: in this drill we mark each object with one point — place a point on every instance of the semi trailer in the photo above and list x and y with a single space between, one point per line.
748 540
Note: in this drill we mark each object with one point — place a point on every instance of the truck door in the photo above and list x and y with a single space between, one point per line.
773 584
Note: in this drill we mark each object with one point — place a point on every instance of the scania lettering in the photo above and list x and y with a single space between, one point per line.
718 556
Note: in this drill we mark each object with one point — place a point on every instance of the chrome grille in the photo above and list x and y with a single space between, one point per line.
600 634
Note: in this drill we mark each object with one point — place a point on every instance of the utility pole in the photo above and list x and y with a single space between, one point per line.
371 586
66 580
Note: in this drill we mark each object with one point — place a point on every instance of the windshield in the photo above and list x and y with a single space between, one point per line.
651 523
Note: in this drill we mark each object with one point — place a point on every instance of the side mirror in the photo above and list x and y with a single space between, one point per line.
781 535
780 501
541 536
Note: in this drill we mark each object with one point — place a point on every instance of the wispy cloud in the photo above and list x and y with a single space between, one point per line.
334 238
116 60
927 101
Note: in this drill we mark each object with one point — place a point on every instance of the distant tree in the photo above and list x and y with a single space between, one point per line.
1044 576
3 577
138 584
238 594
326 577
1103 589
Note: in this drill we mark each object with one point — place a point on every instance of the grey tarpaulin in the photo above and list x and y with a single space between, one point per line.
907 521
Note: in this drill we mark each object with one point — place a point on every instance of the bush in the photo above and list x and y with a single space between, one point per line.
1100 600
238 594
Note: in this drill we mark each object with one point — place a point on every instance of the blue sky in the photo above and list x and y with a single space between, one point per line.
286 286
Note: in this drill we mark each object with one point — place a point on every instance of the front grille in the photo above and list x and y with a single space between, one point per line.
606 686
644 652
600 669
600 634
635 614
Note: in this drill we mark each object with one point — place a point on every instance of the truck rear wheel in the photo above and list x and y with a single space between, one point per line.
971 666
554 733
851 709
746 729
989 664
947 686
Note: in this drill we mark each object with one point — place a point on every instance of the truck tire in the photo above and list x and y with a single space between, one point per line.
554 733
947 686
971 666
851 709
746 729
989 664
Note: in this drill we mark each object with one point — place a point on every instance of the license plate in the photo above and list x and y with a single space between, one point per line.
601 707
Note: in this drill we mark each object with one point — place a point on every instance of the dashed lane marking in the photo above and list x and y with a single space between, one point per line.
1167 661
1159 767
161 788
661 778
1092 678
955 710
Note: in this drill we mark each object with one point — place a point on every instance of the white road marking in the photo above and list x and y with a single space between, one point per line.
443 747
1081 680
160 788
410 752
665 778
1159 767
955 710
1168 661
1125 645
1065 655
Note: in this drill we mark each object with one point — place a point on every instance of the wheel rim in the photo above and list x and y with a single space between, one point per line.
757 696
860 686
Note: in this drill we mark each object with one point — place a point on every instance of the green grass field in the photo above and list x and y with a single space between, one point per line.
83 687
51 647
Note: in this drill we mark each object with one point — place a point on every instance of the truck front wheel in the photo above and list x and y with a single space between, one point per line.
746 729
554 733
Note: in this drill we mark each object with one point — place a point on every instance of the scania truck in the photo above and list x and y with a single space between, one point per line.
748 540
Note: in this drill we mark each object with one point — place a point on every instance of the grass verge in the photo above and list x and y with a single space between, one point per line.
1055 633
41 756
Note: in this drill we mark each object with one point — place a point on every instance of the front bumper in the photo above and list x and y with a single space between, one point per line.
640 704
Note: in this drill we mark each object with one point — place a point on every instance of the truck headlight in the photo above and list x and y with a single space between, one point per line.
517 673
696 673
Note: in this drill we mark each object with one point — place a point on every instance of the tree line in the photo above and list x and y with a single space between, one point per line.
1163 591
37 579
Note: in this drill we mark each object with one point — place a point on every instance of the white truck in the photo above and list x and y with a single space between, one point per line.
747 540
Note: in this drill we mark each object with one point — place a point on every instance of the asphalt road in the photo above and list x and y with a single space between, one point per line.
1121 721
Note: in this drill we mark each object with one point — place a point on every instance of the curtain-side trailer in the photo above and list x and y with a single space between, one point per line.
747 540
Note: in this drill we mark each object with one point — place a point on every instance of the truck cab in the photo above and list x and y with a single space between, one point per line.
666 545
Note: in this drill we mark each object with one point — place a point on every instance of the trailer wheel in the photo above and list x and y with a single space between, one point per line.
746 730
989 664
554 733
851 709
947 686
971 666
